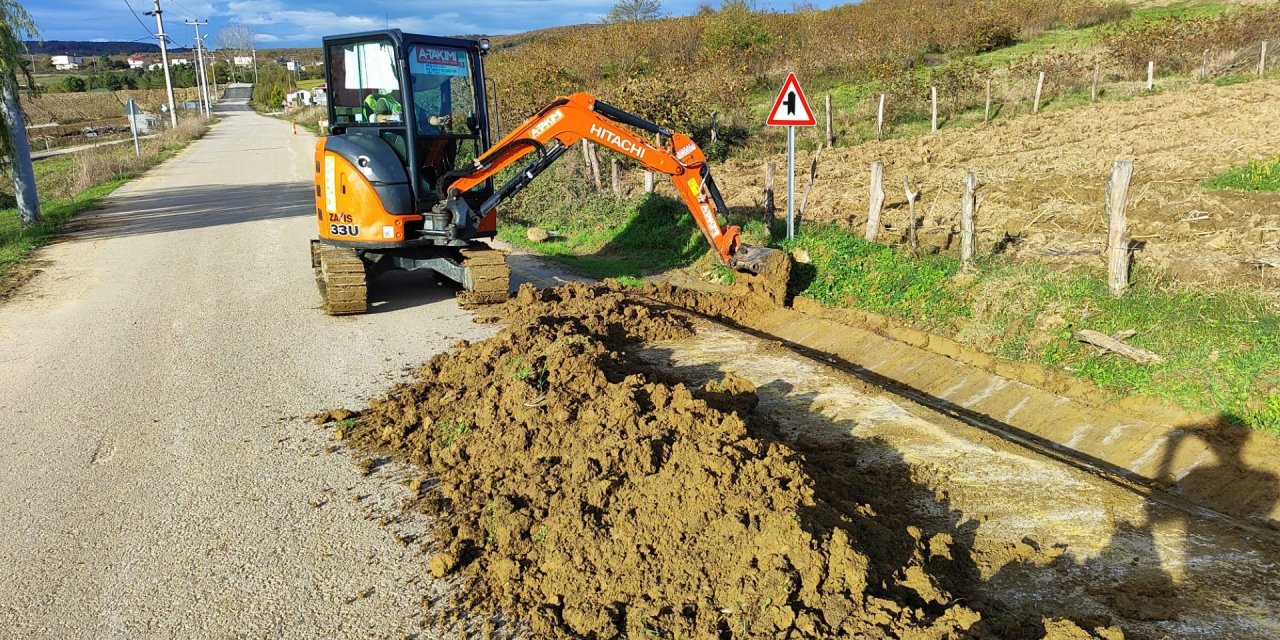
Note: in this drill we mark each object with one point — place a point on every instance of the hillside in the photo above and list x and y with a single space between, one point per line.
92 48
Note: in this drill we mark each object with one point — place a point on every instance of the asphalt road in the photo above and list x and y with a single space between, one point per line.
148 484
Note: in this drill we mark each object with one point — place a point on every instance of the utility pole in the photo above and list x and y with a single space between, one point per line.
253 48
213 73
164 60
204 80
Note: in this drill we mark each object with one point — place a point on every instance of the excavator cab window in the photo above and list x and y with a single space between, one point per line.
366 85
444 108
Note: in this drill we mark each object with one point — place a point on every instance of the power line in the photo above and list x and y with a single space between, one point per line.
140 23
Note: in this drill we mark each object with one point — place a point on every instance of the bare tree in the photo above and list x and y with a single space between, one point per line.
634 11
239 40
17 25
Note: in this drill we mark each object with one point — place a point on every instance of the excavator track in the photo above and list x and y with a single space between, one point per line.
341 277
488 278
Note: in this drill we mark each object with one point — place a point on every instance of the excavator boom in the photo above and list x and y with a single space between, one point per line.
560 125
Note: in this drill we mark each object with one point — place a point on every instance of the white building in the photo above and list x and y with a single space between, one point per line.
242 61
173 62
137 61
293 65
67 62
298 97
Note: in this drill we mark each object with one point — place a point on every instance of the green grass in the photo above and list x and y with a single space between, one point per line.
1257 175
1221 348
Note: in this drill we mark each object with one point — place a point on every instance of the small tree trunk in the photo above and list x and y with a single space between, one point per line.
1093 93
912 240
1117 194
24 177
615 175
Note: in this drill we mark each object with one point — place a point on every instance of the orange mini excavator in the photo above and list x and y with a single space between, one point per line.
405 178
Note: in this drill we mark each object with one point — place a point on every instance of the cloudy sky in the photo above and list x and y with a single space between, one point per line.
301 23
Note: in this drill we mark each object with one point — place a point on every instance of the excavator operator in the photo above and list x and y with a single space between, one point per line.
382 105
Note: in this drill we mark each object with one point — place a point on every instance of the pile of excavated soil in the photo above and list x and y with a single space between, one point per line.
580 493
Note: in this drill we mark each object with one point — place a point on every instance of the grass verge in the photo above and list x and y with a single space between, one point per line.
1221 349
73 183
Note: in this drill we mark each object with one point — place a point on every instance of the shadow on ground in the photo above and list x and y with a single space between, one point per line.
1150 585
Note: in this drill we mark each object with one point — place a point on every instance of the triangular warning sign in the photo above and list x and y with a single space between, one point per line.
791 109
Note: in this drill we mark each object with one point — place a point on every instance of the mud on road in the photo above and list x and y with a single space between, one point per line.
705 484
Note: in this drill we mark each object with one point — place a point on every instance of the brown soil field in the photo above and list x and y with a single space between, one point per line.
585 493
1042 182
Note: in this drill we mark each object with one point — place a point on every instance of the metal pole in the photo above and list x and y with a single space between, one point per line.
164 60
133 126
791 182
200 71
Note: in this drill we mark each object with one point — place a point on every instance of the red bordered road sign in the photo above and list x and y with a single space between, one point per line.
791 109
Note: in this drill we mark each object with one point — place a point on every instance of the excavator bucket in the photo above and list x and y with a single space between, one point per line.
770 269
762 261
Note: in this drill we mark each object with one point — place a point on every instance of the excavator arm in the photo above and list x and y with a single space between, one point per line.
556 128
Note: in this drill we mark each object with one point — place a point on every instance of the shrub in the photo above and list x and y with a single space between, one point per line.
737 28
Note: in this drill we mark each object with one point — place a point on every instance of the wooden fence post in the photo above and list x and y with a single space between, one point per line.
912 196
1262 60
934 92
769 209
615 175
877 201
831 133
1204 65
1093 93
713 126
813 177
1035 108
880 120
648 175
595 166
1151 75
968 208
1117 227
986 115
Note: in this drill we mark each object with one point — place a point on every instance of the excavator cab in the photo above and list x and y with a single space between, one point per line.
405 111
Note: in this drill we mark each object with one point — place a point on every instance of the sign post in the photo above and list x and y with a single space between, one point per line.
131 109
791 110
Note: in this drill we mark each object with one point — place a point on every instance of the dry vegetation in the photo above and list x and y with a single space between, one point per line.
676 70
71 108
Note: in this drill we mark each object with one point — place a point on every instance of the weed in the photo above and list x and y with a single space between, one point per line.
541 534
1257 175
518 368
450 431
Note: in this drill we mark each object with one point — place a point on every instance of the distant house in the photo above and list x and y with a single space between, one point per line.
137 61
242 61
293 65
174 62
320 95
66 62
154 65
298 97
